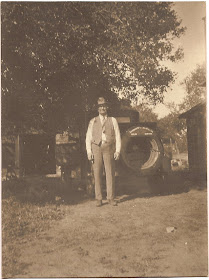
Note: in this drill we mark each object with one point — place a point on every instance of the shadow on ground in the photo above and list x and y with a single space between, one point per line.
172 184
42 190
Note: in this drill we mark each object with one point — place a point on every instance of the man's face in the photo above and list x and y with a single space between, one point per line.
102 109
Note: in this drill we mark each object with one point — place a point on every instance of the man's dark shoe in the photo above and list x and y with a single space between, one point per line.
99 203
112 202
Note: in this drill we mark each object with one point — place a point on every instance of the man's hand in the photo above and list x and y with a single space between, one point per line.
90 156
116 155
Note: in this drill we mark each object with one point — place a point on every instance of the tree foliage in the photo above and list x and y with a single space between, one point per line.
172 127
57 57
146 114
195 88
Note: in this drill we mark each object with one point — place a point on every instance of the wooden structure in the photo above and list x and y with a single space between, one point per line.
67 154
196 139
30 153
38 153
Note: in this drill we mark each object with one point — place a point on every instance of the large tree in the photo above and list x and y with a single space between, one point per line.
57 57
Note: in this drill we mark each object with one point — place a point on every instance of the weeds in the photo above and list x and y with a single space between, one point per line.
22 219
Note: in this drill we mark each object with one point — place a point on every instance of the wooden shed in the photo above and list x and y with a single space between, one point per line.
197 140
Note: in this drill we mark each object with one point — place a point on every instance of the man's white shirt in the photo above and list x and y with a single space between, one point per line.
90 129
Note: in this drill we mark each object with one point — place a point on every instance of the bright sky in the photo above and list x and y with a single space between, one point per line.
193 43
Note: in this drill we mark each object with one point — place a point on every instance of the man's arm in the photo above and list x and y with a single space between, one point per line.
88 140
117 137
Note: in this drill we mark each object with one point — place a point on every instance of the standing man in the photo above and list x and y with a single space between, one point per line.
103 145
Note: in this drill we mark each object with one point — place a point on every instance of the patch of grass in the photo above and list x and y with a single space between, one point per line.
20 219
20 222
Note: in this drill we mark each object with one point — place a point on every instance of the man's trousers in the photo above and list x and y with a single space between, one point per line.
104 157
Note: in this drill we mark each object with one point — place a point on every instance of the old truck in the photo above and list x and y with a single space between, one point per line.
142 152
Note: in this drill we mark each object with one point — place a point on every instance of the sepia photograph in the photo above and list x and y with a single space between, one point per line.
103 139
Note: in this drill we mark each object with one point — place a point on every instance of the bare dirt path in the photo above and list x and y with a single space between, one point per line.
129 240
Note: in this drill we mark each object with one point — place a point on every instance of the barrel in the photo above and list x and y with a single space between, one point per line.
142 150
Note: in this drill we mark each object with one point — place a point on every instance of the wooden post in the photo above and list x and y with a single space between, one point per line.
18 155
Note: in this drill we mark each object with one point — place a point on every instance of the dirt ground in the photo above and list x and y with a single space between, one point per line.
130 240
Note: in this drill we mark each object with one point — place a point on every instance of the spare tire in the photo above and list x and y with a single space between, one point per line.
142 150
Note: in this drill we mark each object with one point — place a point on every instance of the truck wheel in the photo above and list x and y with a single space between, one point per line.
142 150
